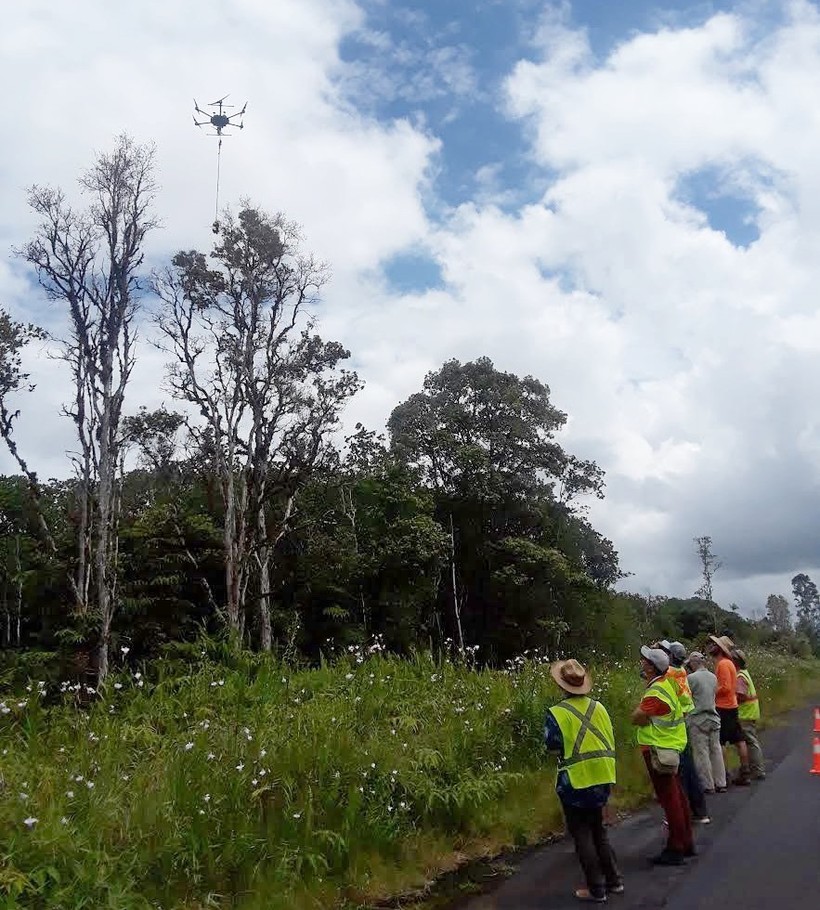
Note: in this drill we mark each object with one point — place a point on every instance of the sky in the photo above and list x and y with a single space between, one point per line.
621 199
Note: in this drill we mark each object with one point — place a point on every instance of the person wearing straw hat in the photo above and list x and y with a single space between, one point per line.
661 735
726 702
579 729
748 712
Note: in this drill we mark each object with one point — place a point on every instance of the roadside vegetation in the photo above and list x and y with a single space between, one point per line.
211 781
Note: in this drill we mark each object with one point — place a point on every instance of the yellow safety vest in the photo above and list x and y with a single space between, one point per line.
687 703
749 710
669 731
589 743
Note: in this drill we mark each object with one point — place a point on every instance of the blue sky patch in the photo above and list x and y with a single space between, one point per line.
412 273
727 208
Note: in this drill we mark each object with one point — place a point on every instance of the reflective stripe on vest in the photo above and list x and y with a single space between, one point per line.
668 732
749 710
589 743
687 703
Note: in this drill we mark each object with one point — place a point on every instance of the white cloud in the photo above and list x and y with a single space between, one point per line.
686 363
90 69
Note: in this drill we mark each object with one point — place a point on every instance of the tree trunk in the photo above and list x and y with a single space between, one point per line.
105 519
19 572
456 607
263 558
102 649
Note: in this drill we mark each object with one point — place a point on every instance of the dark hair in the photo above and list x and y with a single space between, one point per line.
739 661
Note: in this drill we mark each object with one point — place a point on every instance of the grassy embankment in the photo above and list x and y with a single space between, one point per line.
259 787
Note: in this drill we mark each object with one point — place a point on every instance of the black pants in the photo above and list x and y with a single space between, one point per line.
586 827
691 784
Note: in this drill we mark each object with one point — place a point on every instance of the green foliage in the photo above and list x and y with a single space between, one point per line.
195 784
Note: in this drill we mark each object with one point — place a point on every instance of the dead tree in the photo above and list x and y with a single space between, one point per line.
709 565
89 262
267 389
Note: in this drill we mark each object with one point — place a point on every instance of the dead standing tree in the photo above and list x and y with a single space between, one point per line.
89 261
709 565
269 391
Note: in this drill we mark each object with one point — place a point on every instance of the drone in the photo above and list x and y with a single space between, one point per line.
219 120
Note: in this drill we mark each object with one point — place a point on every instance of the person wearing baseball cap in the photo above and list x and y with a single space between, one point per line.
661 735
689 778
731 733
579 729
703 725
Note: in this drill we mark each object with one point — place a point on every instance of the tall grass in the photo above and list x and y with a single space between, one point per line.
259 786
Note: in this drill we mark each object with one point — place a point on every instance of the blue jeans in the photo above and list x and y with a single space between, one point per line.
691 784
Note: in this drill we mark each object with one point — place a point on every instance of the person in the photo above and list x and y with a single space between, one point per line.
726 703
660 723
580 730
748 712
688 772
703 725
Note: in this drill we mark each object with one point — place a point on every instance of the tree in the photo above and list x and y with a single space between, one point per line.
807 603
267 389
709 565
477 432
483 441
89 261
778 613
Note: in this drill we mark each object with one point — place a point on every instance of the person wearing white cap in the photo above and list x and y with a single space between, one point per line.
662 736
703 725
580 730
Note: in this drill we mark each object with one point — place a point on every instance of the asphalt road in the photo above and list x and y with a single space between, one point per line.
761 852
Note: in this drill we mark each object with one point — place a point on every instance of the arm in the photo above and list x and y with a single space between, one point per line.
648 708
639 718
553 739
743 690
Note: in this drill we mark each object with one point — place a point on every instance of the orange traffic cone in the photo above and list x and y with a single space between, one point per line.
816 720
816 766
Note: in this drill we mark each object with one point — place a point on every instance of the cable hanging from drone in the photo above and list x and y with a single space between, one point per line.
220 121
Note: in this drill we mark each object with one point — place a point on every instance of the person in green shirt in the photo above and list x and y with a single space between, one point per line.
749 714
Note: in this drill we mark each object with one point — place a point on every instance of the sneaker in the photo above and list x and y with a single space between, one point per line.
587 897
721 789
667 858
615 889
702 820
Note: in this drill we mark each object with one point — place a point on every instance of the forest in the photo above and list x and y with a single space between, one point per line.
241 509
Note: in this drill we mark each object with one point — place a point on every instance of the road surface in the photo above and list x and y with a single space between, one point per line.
761 852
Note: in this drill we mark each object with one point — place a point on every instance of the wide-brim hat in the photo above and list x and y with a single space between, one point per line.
724 643
571 676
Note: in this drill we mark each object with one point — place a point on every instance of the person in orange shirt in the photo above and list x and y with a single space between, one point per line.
731 732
